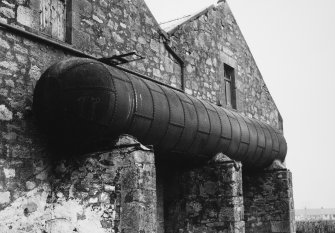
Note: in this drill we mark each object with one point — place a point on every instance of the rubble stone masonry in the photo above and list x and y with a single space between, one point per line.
206 199
101 192
211 39
268 201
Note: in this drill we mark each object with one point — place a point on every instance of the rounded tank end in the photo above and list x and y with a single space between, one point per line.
72 102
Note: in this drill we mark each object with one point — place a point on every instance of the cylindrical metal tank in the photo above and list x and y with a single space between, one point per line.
83 101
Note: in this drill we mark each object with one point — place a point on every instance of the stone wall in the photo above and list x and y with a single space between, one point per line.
268 202
23 149
220 197
112 191
105 28
211 39
203 199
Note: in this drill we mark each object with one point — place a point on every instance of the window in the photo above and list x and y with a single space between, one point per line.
227 96
53 18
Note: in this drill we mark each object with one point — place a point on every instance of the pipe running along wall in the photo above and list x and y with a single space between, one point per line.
81 101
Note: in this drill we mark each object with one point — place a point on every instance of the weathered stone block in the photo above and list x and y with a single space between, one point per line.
12 66
5 113
138 218
83 7
140 176
25 16
9 173
4 197
143 156
7 12
154 45
280 226
81 40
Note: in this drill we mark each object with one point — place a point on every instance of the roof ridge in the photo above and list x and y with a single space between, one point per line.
174 19
193 16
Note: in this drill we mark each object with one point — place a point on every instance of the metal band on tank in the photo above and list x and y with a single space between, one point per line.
220 134
253 141
153 109
209 123
243 131
195 127
225 147
274 140
176 124
179 141
215 132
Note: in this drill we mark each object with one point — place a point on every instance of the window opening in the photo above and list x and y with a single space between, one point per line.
53 18
227 96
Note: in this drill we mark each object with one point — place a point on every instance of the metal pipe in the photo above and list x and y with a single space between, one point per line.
83 102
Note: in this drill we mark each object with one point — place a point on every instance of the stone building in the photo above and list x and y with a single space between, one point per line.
127 188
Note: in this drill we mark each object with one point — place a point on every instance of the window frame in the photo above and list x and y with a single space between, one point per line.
225 98
67 23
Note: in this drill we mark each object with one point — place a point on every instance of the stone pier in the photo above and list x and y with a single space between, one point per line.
268 201
204 199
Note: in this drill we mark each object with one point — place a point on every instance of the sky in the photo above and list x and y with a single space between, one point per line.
293 43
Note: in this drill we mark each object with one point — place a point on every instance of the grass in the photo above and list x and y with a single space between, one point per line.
317 226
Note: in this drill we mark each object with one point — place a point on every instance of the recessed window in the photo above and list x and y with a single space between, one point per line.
227 96
53 18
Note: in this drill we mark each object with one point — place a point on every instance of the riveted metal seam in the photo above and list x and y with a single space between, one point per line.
280 143
89 88
250 157
231 130
134 101
197 131
272 136
153 109
240 140
255 161
261 158
116 97
209 121
249 136
167 128
249 145
268 141
218 142
183 127
272 145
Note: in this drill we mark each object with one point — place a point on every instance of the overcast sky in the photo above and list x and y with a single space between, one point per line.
293 43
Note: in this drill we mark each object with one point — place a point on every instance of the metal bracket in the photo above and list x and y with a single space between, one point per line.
121 59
